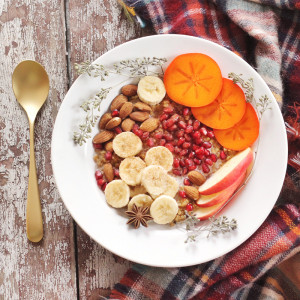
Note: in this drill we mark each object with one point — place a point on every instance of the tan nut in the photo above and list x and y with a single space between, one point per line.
150 125
126 110
108 172
103 137
139 116
191 192
196 177
114 122
129 90
142 107
104 119
118 102
127 124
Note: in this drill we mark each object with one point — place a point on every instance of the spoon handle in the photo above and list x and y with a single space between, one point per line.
34 220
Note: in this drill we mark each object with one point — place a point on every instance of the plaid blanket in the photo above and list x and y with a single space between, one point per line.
266 33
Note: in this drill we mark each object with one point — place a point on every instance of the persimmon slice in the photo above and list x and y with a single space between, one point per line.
241 135
228 108
193 79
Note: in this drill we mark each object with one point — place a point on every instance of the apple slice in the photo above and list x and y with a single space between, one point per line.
203 213
213 199
228 173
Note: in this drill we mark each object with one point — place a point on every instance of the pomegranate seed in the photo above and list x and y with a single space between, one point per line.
97 146
180 133
163 117
158 135
188 162
100 182
115 113
135 127
186 182
170 147
196 125
196 135
98 174
197 161
183 152
150 142
145 135
192 154
176 172
118 130
185 170
195 147
213 157
186 145
182 164
177 149
182 194
223 155
205 168
209 161
198 141
170 122
200 151
203 131
187 137
139 133
103 187
189 129
176 163
164 124
190 122
182 124
162 142
180 141
207 153
189 207
172 128
175 118
169 109
207 145
116 173
192 167
108 155
211 134
168 137
186 111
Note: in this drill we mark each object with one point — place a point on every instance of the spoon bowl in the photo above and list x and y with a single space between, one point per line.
30 84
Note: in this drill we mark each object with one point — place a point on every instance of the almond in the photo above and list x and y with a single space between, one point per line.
139 116
114 122
109 147
142 107
104 119
103 137
129 90
196 177
118 102
150 125
127 124
191 192
108 172
126 110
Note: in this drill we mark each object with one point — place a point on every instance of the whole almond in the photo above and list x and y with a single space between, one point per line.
109 147
126 110
127 124
108 172
114 122
118 102
196 177
191 192
142 106
139 116
103 136
129 90
104 119
150 125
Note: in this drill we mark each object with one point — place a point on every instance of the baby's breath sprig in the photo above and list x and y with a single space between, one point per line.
216 225
263 104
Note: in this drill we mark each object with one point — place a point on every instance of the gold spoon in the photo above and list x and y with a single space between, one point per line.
30 83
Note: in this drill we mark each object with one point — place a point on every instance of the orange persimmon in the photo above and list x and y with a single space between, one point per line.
241 135
193 79
228 108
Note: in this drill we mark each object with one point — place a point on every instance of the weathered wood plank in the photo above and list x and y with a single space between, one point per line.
32 30
95 27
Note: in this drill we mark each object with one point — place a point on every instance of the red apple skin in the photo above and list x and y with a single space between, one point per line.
224 195
203 213
228 173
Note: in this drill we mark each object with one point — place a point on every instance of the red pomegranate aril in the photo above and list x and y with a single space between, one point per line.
192 154
213 157
169 109
186 182
203 131
163 117
182 164
180 141
189 129
211 134
139 133
108 155
175 118
205 168
162 142
98 174
172 128
186 145
199 155
176 172
182 194
209 162
168 136
170 122
118 130
189 207
195 147
116 173
97 146
185 111
187 137
223 155
150 142
164 124
198 141
100 182
196 135
158 135
196 125
145 135
170 147
135 127
182 125
207 145
176 149
207 153
197 161
199 151
188 162
115 113
185 170
176 163
190 122
192 167
103 187
183 152
180 133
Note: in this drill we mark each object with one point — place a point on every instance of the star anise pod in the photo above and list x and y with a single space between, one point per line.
138 215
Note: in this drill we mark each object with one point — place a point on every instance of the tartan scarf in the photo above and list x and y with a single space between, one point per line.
266 33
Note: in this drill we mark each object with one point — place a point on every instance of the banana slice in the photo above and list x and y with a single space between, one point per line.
131 170
151 90
172 186
160 156
127 144
136 190
164 209
117 193
141 200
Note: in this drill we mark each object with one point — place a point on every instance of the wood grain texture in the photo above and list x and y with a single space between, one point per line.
32 30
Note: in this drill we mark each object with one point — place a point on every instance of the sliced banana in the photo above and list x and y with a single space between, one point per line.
136 190
141 200
164 209
127 144
160 156
172 186
151 90
117 193
131 170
